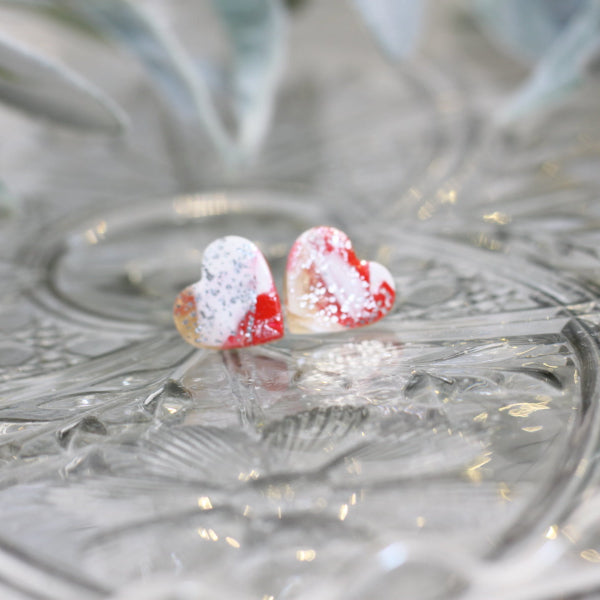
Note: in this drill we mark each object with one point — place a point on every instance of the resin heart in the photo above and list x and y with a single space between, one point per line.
235 303
329 289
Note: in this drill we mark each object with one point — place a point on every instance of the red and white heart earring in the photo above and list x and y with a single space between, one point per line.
235 302
327 288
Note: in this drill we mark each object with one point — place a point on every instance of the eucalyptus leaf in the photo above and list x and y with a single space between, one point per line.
562 67
257 30
526 29
48 89
169 66
396 24
8 202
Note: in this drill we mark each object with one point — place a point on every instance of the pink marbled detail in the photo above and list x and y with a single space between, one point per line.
329 289
235 303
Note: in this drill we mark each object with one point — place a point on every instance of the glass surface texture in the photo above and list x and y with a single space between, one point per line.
448 451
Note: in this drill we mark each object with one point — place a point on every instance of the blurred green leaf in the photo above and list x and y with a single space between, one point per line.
562 67
8 202
257 30
44 88
396 24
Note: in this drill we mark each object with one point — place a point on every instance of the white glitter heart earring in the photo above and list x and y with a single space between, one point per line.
235 303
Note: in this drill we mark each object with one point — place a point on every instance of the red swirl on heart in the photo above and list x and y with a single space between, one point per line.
235 303
327 288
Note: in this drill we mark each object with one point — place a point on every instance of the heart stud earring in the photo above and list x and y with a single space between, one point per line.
235 303
327 288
